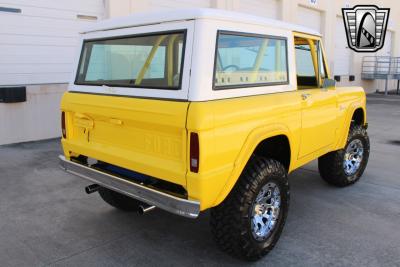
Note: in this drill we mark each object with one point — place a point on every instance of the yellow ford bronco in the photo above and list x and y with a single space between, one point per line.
200 109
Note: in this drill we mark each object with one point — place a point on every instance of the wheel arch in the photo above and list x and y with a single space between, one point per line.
260 141
276 147
356 113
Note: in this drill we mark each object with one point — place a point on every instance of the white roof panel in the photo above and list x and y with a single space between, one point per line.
148 18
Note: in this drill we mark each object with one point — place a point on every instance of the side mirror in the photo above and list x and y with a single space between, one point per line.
329 83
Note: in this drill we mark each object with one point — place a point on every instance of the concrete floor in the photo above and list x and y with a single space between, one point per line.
47 219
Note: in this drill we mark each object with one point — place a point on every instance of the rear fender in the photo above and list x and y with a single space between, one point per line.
252 141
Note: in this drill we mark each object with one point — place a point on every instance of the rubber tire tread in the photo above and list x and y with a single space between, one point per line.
230 221
330 166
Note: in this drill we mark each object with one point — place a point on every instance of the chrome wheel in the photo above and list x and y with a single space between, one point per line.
353 157
265 211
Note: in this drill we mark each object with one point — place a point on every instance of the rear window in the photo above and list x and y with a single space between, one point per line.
145 61
246 60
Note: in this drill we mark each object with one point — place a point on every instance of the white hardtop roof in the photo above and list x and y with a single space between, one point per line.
148 18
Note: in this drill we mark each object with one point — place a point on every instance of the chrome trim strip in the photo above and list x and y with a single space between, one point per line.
176 205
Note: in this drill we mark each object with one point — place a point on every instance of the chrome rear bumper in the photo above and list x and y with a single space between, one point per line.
179 206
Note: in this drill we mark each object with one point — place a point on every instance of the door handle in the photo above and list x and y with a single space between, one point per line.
305 96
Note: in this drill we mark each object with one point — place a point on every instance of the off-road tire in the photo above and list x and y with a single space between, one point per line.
331 166
118 200
231 220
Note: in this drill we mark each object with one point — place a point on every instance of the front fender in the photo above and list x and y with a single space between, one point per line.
344 130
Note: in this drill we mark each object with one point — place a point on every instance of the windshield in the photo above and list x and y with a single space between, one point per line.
146 61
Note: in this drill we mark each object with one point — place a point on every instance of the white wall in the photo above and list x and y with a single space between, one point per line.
265 8
310 18
38 44
343 54
37 118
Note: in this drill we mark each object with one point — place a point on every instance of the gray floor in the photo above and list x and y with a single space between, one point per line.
47 219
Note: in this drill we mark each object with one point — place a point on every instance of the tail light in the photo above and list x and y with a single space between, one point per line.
194 152
64 131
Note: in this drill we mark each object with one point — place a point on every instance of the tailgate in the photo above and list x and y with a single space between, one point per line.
144 135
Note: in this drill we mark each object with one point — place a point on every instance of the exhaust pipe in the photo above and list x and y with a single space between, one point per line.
92 188
144 208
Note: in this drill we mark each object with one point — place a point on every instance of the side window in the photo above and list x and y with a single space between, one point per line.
306 77
310 74
245 60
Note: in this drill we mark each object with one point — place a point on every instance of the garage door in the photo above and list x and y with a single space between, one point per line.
38 39
342 52
309 18
387 48
168 4
264 8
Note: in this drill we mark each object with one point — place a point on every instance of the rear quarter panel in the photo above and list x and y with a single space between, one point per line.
229 131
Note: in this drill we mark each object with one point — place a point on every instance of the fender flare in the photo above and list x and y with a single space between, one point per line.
255 137
349 115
